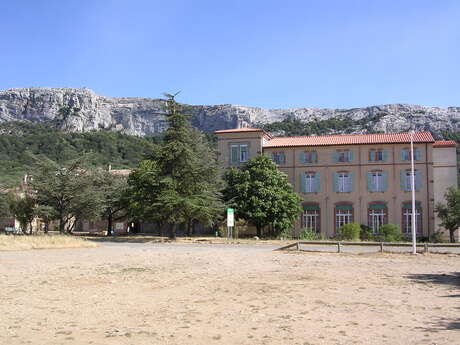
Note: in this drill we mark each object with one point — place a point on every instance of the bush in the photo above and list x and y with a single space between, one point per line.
389 233
308 234
366 233
437 237
349 231
286 234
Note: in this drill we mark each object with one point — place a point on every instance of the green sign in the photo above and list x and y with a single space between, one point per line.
230 217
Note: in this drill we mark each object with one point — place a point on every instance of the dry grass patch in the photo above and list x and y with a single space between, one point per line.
43 242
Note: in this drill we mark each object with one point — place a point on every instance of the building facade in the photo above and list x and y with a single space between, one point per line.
364 178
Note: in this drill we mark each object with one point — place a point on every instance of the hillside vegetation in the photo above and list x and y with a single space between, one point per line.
20 141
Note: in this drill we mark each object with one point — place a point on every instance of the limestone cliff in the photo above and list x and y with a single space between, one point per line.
83 110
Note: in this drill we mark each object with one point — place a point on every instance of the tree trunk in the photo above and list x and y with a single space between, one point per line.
109 224
451 235
259 231
172 232
189 227
61 224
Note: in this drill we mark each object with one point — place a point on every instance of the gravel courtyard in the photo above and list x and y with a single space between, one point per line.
223 294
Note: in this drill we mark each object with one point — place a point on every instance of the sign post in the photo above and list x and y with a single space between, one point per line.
230 222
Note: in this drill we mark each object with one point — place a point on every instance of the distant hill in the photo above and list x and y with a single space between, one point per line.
82 110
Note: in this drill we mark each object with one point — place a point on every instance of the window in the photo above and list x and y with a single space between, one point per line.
239 153
405 154
343 182
377 216
378 155
279 157
310 182
377 181
311 218
244 153
343 156
407 218
343 215
308 157
406 180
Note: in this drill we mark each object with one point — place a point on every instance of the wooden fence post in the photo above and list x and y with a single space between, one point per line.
426 247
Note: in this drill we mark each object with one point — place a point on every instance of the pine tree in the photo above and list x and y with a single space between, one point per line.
180 182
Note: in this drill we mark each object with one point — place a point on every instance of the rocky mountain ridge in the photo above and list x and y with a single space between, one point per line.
82 110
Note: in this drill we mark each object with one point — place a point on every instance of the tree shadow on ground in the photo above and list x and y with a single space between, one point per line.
451 279
447 279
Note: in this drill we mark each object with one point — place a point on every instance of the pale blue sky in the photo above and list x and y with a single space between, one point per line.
272 54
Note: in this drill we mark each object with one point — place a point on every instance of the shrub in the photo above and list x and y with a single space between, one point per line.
437 237
349 231
286 234
308 234
366 233
389 233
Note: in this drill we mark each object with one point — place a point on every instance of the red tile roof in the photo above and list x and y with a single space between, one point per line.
240 130
353 139
447 143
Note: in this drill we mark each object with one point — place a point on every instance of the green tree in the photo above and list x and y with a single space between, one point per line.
67 190
4 205
111 190
180 181
46 214
23 209
449 213
261 195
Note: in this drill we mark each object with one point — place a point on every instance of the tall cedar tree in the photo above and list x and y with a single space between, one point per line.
449 213
261 195
180 182
65 191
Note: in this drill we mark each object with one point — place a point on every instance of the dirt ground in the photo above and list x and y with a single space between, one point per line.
226 294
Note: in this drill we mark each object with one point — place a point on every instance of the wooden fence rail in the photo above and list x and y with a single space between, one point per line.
426 246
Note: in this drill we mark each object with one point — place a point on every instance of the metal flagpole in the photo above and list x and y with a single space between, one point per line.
414 218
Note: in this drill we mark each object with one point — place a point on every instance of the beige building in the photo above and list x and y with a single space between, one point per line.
363 178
